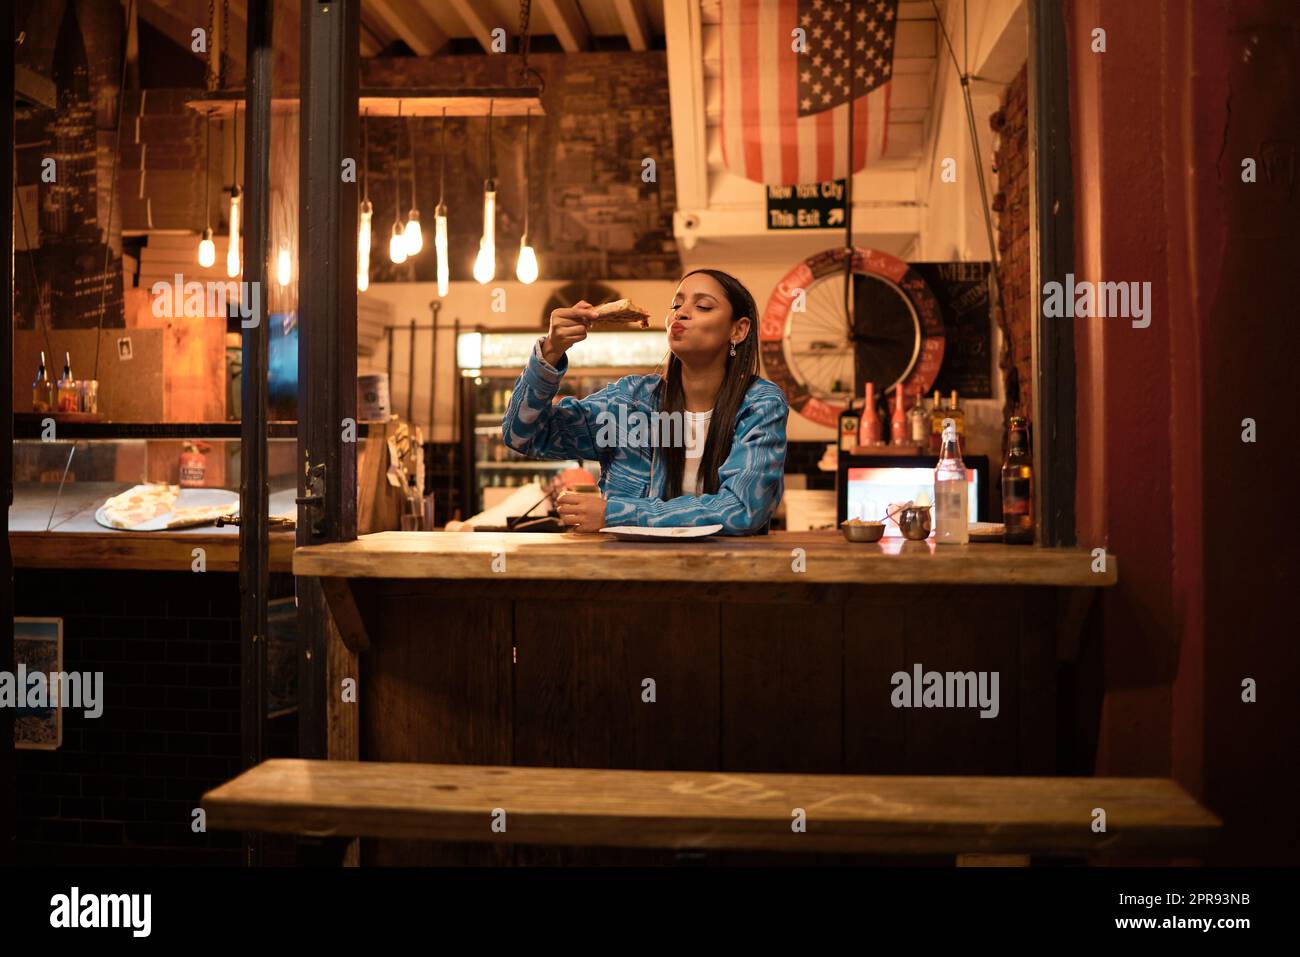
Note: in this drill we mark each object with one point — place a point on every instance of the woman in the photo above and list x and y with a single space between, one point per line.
715 458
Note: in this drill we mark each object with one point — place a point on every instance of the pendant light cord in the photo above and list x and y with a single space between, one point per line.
410 138
207 173
491 103
365 159
397 176
528 124
442 169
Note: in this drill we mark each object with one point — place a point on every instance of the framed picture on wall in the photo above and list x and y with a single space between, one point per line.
38 647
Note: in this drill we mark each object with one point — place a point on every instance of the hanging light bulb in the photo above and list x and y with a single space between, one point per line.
232 248
440 217
440 247
207 249
363 245
526 267
397 244
412 234
485 265
283 265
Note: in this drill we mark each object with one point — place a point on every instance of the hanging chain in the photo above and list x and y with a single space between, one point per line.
225 40
525 14
212 23
525 42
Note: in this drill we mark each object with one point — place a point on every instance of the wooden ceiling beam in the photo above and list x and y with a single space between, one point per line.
409 23
482 30
636 26
567 23
177 19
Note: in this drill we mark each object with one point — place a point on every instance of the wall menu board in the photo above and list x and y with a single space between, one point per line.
962 289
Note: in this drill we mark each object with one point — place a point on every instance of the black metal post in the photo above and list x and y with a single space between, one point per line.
1052 237
253 556
329 134
410 377
8 768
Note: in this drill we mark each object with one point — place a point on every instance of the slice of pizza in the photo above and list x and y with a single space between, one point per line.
621 312
140 504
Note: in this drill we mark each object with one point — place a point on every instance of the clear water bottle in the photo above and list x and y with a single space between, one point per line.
951 504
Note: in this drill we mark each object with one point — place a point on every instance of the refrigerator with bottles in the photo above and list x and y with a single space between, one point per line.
490 362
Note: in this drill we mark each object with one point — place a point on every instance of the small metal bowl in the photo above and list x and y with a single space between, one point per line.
863 531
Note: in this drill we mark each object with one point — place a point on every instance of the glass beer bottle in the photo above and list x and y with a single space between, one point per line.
1018 486
951 501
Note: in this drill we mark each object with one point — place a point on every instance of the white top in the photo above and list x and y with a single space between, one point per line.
696 429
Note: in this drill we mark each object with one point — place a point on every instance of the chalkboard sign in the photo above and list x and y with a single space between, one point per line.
963 293
807 206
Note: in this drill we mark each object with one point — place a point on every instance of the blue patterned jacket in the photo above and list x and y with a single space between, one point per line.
632 476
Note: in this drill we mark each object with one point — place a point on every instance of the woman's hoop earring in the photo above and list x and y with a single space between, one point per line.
733 348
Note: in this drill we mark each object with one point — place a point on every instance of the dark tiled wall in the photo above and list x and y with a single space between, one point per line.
123 786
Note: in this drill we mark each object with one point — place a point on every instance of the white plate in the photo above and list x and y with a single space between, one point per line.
637 533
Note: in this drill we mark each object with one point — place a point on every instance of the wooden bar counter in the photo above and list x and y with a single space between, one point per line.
772 653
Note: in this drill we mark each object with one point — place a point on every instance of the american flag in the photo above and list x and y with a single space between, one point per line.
784 111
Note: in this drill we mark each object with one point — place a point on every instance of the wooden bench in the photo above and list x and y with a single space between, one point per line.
699 809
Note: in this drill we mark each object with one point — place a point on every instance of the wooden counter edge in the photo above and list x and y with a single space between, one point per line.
139 551
669 563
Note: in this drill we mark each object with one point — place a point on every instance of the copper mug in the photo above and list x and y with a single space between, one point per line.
913 522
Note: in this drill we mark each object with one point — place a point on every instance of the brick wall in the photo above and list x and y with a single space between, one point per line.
123 786
1011 203
591 213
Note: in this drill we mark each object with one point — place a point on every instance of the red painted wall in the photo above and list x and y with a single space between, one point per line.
1161 122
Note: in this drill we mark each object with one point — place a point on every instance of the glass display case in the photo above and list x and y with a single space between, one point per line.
62 480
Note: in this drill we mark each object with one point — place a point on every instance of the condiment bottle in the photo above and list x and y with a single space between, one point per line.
898 420
951 504
193 465
42 392
67 401
869 427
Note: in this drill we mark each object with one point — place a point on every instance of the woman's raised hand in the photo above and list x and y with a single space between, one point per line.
567 327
